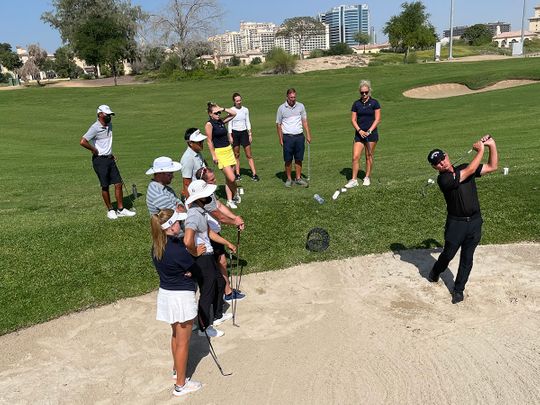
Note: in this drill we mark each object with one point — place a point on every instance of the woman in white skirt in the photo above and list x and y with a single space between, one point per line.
176 303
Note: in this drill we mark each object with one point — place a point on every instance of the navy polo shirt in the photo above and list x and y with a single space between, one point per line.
220 138
365 113
461 197
174 264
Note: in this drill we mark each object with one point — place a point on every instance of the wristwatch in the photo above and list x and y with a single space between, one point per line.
369 131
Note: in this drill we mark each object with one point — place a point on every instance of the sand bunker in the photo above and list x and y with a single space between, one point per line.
365 330
454 89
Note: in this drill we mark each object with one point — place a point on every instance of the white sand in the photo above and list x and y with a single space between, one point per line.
365 330
444 90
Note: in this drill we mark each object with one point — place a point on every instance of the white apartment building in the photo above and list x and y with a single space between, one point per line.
261 37
228 43
258 36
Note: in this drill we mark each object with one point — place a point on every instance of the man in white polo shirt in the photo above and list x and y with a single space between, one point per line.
98 140
192 159
291 120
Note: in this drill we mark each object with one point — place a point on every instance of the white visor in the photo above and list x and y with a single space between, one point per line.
177 216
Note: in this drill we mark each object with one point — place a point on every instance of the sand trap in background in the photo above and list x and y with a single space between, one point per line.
364 330
444 90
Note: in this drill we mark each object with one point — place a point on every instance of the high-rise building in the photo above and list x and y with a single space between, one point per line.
345 22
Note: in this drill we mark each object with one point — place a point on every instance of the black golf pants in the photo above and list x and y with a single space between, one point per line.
464 234
212 287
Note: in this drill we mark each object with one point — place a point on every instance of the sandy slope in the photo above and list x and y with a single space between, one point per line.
366 330
444 90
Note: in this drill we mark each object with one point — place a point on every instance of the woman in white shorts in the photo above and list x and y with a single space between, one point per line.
176 303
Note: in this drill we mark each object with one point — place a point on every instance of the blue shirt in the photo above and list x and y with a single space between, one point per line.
174 264
365 113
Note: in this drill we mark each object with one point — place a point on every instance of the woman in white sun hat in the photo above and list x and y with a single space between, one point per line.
176 303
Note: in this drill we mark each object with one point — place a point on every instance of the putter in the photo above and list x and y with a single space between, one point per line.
308 161
214 356
134 189
238 280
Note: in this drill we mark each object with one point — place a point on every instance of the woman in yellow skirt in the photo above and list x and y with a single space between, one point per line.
220 147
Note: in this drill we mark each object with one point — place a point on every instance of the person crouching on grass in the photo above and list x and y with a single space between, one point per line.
211 283
176 303
219 214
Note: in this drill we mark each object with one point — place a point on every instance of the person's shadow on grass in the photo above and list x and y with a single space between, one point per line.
421 257
347 173
283 177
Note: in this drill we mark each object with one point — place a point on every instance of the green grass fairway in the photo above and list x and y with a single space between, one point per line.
60 253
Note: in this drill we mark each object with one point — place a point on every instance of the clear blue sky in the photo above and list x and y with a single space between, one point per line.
20 23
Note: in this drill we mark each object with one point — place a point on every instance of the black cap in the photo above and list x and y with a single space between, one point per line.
435 156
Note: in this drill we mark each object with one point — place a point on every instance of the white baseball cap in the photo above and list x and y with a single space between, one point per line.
177 216
200 189
164 164
197 136
105 109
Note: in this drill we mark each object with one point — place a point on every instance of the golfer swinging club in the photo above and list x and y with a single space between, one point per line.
464 220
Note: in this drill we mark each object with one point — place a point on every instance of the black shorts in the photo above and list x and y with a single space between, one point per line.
106 170
219 248
240 138
374 137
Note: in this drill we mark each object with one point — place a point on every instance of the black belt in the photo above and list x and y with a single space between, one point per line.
105 156
465 219
300 134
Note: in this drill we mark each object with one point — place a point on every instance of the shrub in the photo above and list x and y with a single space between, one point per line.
280 62
256 61
340 48
411 58
316 53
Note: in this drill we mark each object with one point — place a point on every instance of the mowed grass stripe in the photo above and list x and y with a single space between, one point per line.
60 253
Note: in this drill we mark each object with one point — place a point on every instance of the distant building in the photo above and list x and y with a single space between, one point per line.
345 22
460 30
534 22
507 39
370 48
261 37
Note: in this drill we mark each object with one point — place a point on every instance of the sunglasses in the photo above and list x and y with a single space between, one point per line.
217 113
364 93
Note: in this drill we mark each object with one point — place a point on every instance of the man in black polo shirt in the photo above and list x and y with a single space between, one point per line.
464 220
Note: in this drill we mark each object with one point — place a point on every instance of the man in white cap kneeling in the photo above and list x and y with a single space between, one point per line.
98 140
159 195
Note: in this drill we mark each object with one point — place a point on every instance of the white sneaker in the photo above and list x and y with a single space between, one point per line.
224 318
189 386
111 214
367 181
212 332
352 183
231 204
125 213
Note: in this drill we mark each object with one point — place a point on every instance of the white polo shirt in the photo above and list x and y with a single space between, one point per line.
100 137
290 118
